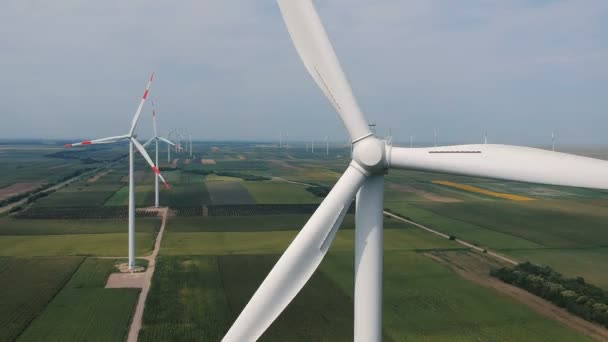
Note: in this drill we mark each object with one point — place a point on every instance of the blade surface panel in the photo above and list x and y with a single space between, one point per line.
515 163
166 140
148 142
154 119
146 156
315 49
141 104
107 140
298 263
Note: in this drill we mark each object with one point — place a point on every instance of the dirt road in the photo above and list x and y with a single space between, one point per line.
476 267
147 281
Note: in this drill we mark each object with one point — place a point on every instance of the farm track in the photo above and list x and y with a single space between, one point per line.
462 242
541 306
55 187
147 281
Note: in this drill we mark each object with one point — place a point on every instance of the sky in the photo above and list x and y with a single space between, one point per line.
227 69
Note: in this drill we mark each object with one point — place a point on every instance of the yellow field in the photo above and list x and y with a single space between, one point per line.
475 189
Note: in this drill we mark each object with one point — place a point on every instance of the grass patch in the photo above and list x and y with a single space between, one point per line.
26 286
275 242
279 193
229 193
82 226
110 244
84 310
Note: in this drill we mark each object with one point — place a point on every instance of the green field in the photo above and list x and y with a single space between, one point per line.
229 193
207 292
280 193
82 226
108 244
210 265
26 286
84 310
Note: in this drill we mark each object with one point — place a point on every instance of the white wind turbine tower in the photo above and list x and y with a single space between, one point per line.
485 137
156 139
435 135
190 137
326 145
364 178
132 142
553 141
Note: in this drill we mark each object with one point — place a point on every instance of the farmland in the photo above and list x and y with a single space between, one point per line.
39 280
230 220
84 310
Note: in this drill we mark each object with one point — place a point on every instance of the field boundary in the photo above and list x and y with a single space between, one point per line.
462 242
534 302
137 319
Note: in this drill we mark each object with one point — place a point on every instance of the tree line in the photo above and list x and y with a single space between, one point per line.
574 294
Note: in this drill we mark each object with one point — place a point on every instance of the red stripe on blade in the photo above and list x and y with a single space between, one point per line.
145 94
86 142
156 170
151 77
167 185
67 145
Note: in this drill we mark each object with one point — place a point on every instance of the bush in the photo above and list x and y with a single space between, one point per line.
575 294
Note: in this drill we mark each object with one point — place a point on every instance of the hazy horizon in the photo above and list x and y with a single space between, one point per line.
228 70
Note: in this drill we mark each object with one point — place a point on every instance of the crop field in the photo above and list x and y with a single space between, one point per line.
108 244
209 291
230 221
105 212
280 193
81 226
84 310
567 235
229 193
38 279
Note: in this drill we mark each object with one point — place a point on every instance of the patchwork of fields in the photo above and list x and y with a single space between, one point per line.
232 218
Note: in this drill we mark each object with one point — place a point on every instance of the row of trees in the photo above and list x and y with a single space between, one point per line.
203 172
575 294
41 191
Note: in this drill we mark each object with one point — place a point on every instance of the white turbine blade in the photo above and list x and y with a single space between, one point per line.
99 141
143 152
317 53
148 142
515 163
166 141
154 119
141 104
298 263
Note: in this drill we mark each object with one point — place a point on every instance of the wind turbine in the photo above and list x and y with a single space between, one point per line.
326 145
156 139
364 178
435 135
553 141
132 143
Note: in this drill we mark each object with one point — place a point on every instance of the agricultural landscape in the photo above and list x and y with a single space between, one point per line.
234 207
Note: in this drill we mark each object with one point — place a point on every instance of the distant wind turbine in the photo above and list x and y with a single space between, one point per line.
132 143
156 139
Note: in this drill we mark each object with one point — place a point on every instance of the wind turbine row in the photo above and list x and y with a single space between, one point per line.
132 143
156 139
364 178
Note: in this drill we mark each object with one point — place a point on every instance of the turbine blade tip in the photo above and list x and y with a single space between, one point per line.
156 170
86 142
145 94
67 145
167 186
152 77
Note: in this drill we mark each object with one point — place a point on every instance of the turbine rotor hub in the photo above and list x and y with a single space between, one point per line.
370 154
